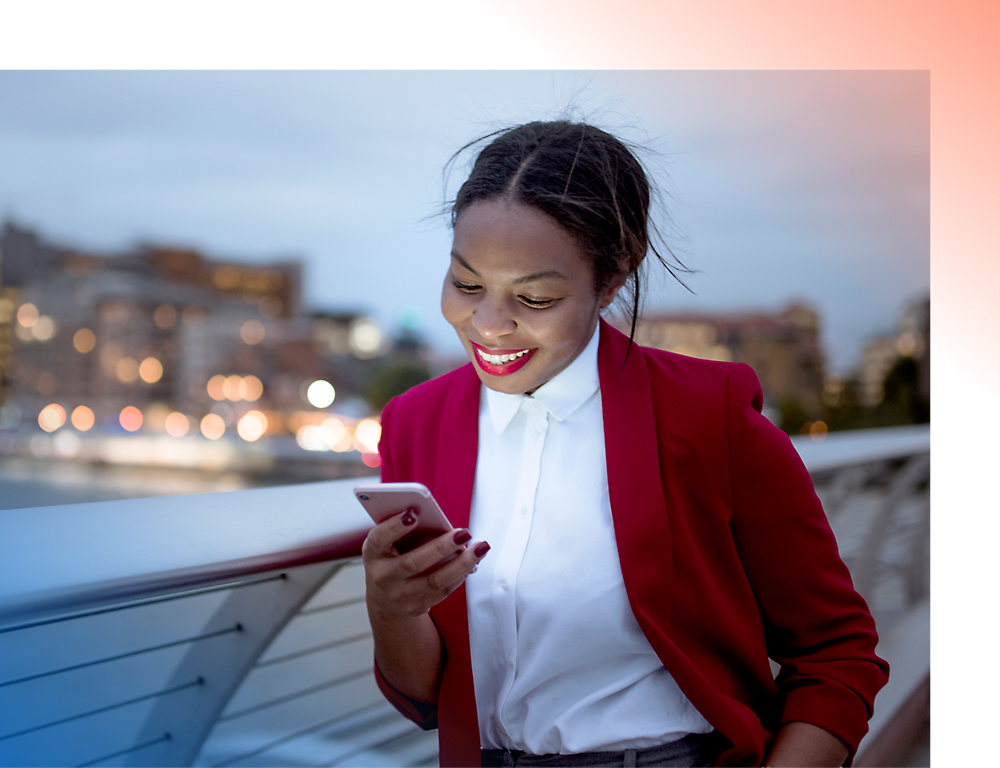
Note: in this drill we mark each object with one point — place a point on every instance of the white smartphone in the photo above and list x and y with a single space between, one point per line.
387 499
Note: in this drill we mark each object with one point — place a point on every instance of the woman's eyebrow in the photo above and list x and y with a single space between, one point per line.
518 281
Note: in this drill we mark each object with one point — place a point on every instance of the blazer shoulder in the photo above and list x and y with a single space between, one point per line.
435 393
699 379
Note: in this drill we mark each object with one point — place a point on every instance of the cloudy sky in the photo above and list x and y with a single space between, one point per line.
781 185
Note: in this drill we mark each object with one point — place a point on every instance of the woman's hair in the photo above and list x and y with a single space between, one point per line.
584 178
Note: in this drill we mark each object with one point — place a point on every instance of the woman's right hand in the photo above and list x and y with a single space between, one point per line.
408 585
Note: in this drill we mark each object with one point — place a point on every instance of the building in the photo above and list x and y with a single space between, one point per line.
165 330
783 348
910 339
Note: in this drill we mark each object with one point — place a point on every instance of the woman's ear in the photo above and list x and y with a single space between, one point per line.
609 294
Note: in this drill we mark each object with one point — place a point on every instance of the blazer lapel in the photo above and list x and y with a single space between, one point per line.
638 507
455 475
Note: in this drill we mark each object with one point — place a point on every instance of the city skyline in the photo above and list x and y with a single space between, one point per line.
783 185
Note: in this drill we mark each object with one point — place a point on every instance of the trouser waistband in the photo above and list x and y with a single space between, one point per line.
696 749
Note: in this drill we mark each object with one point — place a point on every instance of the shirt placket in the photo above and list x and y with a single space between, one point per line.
516 541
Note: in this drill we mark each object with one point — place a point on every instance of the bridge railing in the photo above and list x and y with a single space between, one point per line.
230 628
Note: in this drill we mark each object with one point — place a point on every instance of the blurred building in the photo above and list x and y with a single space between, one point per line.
165 330
910 339
783 348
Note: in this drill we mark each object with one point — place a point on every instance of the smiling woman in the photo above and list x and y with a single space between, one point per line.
520 293
658 539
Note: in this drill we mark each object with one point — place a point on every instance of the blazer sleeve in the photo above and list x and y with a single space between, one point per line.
817 627
424 715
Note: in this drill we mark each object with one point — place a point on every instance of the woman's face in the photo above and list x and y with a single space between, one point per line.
520 294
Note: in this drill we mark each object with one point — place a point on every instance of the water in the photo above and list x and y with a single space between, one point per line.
39 483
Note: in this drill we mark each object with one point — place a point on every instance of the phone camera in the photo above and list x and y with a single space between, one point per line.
362 497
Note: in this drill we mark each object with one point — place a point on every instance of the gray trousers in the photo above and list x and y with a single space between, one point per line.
696 749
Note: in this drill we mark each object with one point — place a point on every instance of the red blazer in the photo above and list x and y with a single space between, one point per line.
726 553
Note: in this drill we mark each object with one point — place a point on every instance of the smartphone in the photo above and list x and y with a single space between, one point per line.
388 499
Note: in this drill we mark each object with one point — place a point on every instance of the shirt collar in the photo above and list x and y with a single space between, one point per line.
561 395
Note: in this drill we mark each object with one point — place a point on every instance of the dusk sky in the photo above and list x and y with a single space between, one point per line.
781 185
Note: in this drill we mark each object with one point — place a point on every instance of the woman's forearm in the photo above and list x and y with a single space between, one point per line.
804 744
408 653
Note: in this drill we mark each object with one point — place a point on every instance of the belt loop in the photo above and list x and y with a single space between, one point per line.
629 761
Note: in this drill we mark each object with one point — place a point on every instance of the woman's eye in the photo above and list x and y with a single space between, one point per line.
465 287
537 303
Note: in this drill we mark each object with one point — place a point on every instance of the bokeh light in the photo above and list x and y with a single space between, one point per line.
252 426
44 328
84 341
818 431
232 388
82 418
366 435
320 394
177 424
217 387
151 370
365 337
27 315
52 417
337 435
127 370
130 418
212 426
252 389
252 332
165 316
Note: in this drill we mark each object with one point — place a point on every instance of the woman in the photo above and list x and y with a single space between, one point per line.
656 539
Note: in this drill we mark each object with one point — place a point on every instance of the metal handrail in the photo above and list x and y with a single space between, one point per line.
148 549
265 551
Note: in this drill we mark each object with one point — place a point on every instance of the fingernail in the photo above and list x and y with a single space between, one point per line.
481 549
462 536
410 517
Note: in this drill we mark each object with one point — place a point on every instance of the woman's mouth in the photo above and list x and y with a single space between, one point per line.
501 362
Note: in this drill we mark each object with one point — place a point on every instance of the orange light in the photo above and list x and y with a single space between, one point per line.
371 460
127 370
366 436
216 387
818 430
252 389
84 341
252 426
130 418
52 417
151 370
177 424
252 332
165 316
231 388
27 315
213 427
82 418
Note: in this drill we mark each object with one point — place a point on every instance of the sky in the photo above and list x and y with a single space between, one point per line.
777 186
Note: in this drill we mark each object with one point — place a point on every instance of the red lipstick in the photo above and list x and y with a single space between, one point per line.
495 367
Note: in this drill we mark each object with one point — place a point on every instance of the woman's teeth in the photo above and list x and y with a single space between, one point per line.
501 359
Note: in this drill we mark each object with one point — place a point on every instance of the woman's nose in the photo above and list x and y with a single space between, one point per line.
492 320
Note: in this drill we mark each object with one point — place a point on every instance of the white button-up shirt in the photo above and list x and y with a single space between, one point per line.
559 662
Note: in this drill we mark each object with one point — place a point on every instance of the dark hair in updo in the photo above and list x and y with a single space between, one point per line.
584 178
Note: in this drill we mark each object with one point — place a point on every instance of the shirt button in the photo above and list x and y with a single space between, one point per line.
503 585
524 509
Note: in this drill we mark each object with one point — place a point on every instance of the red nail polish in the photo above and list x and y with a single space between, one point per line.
481 549
462 536
410 517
